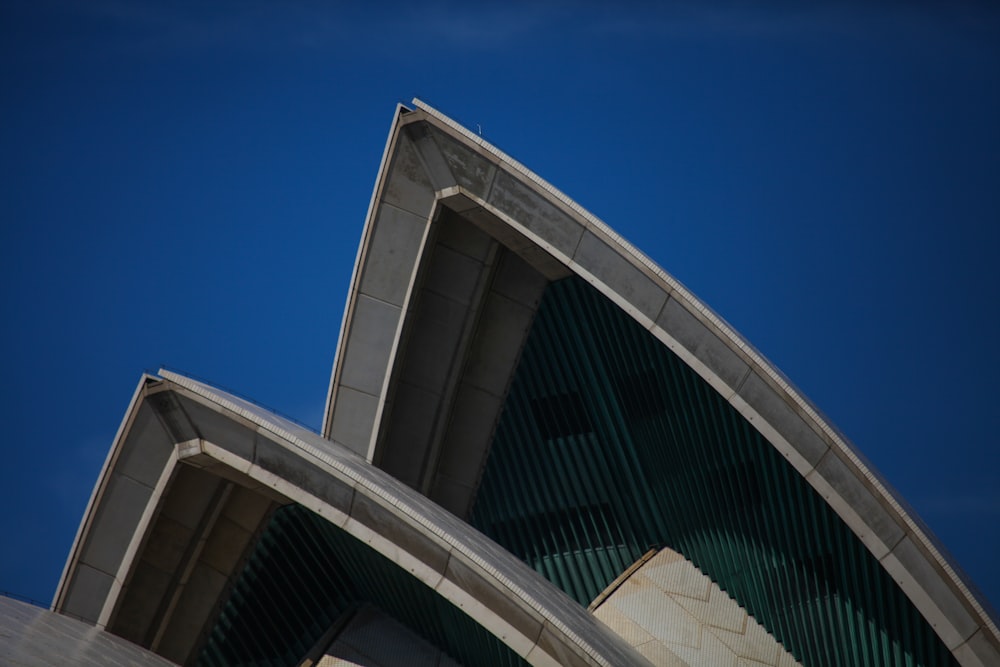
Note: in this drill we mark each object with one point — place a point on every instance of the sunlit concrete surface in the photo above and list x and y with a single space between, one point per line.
674 615
460 243
435 174
221 448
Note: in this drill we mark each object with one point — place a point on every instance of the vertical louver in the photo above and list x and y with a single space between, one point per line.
609 445
304 574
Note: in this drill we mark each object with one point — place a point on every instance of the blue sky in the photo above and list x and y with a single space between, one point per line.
186 186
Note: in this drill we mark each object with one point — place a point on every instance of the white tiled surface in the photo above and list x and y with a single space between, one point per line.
674 615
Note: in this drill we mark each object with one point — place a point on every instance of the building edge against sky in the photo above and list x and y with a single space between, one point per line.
462 254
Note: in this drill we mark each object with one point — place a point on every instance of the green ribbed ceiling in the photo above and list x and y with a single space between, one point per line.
609 445
304 574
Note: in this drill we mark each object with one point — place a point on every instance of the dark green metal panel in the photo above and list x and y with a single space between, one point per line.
609 445
305 573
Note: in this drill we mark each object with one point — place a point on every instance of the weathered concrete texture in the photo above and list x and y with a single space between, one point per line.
452 275
373 343
148 586
122 496
978 651
674 615
125 500
205 523
529 216
629 283
909 565
699 339
499 591
449 401
392 242
462 237
408 186
192 610
85 592
154 526
353 419
194 548
514 239
472 308
472 171
464 448
145 468
553 235
393 245
170 413
273 457
436 323
413 414
374 639
31 636
503 324
856 503
373 331
364 365
554 228
387 522
450 285
783 424
520 282
438 170
239 435
465 575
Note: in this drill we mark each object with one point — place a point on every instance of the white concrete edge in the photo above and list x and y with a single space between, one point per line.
408 511
430 577
222 455
509 635
352 294
100 485
404 313
758 362
137 539
219 399
725 390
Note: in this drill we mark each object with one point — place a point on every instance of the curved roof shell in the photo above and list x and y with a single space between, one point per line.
460 245
459 234
185 450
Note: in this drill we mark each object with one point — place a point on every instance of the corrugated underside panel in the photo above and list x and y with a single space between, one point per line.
610 445
305 573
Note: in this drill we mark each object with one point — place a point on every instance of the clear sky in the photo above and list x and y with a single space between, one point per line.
186 185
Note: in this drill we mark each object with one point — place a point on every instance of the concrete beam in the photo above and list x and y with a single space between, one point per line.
430 543
528 215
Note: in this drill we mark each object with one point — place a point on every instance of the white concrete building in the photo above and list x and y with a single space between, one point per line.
538 448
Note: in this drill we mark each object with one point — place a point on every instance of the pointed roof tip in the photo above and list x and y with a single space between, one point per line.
709 344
